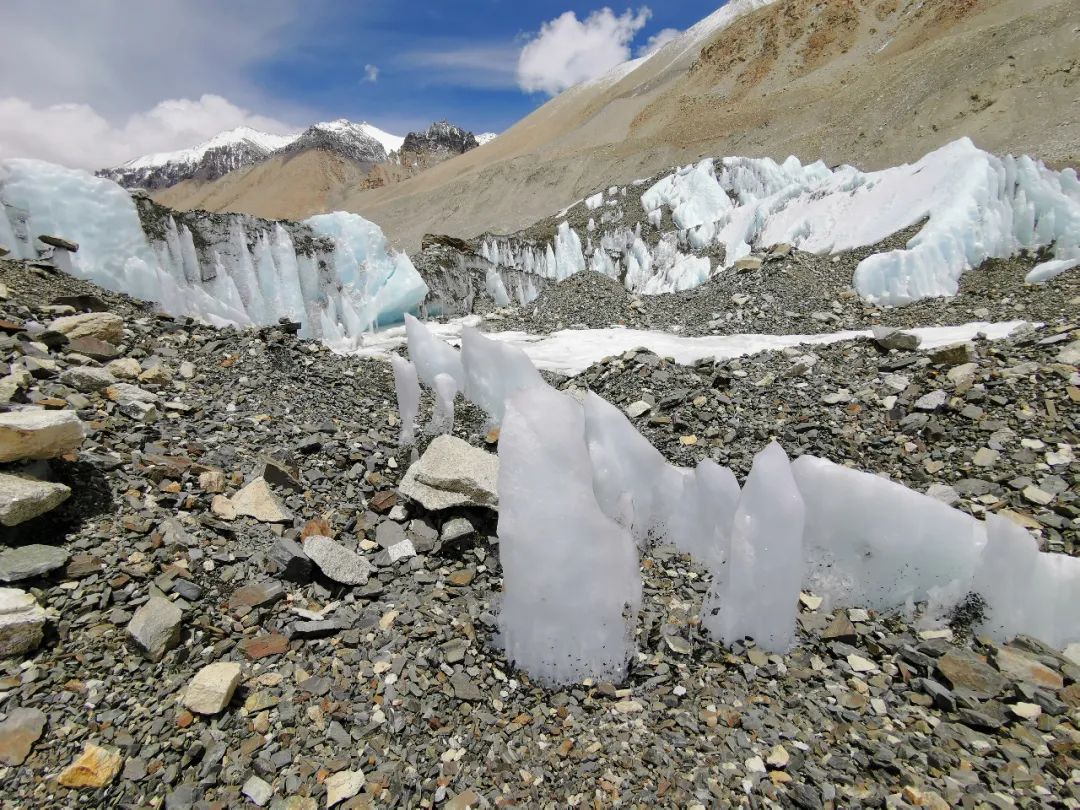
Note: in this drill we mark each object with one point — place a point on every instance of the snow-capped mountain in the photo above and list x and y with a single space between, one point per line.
486 137
241 147
208 160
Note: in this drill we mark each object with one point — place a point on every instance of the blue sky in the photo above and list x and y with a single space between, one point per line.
93 84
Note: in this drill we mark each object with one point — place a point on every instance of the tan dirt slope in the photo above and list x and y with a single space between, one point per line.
868 82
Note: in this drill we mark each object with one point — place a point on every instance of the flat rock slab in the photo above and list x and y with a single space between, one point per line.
258 501
155 627
86 378
965 670
343 785
24 562
337 562
18 734
22 620
33 434
94 768
452 473
22 499
105 326
212 687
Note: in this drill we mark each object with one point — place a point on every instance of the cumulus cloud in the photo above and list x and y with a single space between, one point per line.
567 50
78 135
371 73
658 41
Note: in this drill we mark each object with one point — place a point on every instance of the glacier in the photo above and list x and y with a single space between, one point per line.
334 272
972 206
582 493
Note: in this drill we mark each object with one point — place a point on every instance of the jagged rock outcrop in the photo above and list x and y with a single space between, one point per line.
441 141
340 137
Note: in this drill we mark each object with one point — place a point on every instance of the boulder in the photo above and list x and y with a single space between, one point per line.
94 768
25 562
18 733
452 473
24 498
22 621
155 627
257 501
889 338
337 562
87 378
210 691
58 242
106 326
34 434
124 394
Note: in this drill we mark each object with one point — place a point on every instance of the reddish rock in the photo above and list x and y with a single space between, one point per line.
384 501
264 646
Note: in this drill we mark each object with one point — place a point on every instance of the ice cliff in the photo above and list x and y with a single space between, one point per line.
972 206
334 272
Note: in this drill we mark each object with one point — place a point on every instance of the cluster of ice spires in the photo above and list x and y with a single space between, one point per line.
334 272
582 493
975 205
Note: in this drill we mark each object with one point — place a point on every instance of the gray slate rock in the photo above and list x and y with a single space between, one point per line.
155 627
24 562
336 561
22 499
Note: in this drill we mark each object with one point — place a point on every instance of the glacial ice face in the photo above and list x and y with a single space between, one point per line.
442 420
633 483
875 543
431 355
407 387
572 586
248 272
756 591
493 371
704 514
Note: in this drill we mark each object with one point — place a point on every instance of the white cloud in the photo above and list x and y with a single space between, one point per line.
78 135
658 41
479 65
371 73
568 50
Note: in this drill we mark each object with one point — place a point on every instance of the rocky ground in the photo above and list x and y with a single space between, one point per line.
800 293
373 676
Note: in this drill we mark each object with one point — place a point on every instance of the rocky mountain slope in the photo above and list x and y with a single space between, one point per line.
311 172
866 82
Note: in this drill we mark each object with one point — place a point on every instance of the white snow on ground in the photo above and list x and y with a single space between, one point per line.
245 278
571 351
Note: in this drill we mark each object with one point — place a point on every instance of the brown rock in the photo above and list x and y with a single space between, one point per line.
319 526
257 594
965 670
1071 695
264 646
840 629
1020 667
383 502
95 767
462 577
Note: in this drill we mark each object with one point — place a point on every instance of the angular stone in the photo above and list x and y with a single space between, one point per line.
58 242
452 473
840 629
964 670
126 394
223 507
258 790
94 768
932 401
464 688
748 263
257 594
264 646
22 621
125 368
953 355
455 529
155 627
337 562
293 564
1018 666
22 499
279 474
34 434
105 326
462 577
87 379
343 785
401 551
389 534
93 348
888 338
257 501
24 562
18 734
210 691
639 408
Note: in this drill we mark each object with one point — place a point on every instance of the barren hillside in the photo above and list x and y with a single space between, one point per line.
869 82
